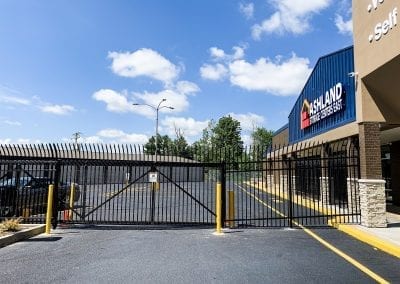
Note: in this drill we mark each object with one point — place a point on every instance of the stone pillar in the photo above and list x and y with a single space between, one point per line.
371 185
373 203
324 190
353 195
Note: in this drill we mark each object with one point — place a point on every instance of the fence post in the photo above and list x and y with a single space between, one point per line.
219 209
56 200
85 182
231 210
223 192
290 192
49 208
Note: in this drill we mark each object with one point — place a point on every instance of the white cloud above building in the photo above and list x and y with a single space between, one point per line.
281 76
290 16
143 62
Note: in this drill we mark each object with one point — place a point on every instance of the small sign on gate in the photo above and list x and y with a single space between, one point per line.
153 177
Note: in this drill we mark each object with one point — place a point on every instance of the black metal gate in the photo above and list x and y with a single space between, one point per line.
295 186
122 192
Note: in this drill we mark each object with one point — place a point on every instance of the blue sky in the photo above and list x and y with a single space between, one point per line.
78 66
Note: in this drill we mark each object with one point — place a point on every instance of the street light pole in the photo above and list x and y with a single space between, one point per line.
155 184
156 109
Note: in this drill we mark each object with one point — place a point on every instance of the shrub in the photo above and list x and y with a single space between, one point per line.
11 225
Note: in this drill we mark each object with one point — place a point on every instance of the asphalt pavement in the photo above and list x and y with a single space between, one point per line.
108 255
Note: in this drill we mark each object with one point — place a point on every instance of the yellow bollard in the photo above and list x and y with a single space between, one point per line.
71 201
49 208
219 209
231 209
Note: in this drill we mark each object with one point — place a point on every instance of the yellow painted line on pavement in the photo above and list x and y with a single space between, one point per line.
308 203
360 235
383 245
345 256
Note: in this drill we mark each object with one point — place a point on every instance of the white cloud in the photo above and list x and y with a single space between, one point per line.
343 17
115 102
247 10
58 109
91 140
248 121
186 87
344 27
122 137
174 99
247 139
188 126
19 141
13 100
12 123
239 52
217 53
279 78
144 62
213 72
219 71
5 141
292 16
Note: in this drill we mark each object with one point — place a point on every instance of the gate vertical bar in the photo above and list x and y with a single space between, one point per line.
85 181
56 200
153 193
223 192
290 191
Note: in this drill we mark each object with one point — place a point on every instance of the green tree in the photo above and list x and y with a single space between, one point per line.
202 149
164 144
181 148
262 137
226 140
262 140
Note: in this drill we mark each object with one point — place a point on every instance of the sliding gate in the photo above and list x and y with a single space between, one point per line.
294 187
123 192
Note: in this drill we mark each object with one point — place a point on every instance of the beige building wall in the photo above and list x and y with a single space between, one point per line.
281 138
376 29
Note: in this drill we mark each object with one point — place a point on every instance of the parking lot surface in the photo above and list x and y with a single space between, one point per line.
126 255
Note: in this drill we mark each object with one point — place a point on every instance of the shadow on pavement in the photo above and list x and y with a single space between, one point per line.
43 239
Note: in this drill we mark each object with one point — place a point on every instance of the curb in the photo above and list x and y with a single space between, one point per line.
24 234
374 241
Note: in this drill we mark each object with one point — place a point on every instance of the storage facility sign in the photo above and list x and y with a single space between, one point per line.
322 107
383 27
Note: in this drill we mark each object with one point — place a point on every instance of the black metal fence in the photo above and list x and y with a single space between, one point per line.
309 184
304 184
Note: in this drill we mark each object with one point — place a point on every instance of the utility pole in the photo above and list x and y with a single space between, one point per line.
75 138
